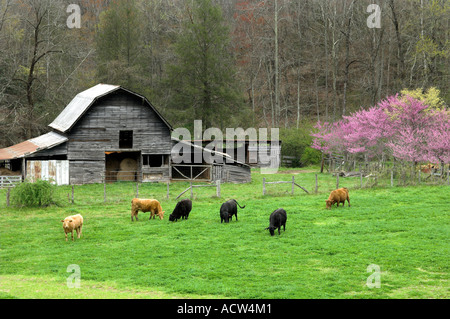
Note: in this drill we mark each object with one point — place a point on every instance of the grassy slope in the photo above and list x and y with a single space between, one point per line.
322 254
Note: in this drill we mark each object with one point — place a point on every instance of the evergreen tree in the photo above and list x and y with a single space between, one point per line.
118 40
202 80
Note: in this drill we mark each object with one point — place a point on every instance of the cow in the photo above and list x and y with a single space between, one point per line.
73 222
338 196
146 205
181 210
228 209
277 219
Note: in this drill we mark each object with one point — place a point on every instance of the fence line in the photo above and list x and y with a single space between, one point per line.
9 181
293 183
191 188
387 178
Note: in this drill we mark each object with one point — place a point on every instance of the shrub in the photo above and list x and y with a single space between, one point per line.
311 156
295 142
38 194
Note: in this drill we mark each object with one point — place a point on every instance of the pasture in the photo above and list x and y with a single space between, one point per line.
322 253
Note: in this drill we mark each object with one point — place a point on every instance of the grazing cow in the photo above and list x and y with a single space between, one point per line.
228 209
182 210
277 219
73 222
146 205
338 196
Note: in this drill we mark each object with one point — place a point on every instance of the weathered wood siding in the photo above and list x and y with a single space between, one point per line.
57 151
236 174
98 131
86 172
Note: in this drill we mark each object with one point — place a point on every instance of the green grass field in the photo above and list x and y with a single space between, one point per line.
322 254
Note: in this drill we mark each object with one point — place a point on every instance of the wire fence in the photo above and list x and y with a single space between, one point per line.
122 192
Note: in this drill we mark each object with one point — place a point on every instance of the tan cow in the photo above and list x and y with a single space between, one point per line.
146 205
73 222
338 196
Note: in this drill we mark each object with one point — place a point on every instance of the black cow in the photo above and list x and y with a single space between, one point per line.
228 209
182 210
277 219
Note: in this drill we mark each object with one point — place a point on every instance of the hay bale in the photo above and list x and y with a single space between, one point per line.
126 176
6 172
128 164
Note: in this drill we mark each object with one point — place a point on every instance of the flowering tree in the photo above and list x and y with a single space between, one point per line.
401 126
367 132
438 138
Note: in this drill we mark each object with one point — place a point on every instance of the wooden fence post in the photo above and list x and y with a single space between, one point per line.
392 178
192 192
7 196
420 171
317 185
218 188
137 189
293 184
337 180
360 177
168 190
73 194
104 192
264 186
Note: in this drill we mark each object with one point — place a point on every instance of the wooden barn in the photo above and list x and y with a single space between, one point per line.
106 134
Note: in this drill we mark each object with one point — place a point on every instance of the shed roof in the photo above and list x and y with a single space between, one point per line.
33 145
201 148
83 101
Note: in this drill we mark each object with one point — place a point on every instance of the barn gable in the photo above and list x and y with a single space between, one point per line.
84 100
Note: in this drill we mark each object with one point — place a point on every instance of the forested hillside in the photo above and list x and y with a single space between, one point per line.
230 63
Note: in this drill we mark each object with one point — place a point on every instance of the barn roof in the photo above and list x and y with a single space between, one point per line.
83 101
33 145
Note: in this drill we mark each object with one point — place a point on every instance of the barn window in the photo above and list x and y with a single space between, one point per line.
155 160
126 139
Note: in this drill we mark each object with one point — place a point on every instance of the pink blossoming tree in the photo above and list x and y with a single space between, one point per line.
402 127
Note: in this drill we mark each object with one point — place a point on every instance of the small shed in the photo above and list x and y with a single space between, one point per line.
227 170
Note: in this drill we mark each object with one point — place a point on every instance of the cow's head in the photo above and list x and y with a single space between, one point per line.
171 217
329 203
67 222
271 230
161 215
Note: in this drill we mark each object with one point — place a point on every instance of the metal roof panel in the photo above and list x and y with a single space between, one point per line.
79 105
34 145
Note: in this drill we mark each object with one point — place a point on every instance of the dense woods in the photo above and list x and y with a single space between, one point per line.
274 63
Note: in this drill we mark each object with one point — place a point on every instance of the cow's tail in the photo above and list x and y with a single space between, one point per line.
238 204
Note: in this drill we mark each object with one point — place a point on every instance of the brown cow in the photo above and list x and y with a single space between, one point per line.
73 222
338 196
146 205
